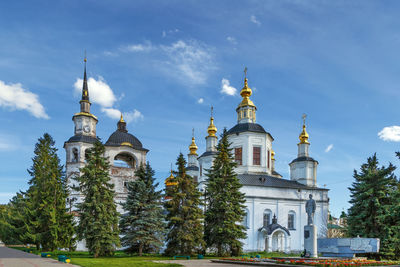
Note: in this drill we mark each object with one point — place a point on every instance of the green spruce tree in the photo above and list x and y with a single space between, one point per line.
373 200
142 226
225 207
48 223
184 215
98 216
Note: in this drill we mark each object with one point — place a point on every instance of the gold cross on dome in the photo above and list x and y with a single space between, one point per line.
245 72
304 118
212 110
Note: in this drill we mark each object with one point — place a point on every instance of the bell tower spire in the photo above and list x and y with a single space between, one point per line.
211 139
85 103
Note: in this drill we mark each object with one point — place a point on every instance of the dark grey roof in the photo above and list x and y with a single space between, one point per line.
192 168
272 227
82 138
208 153
118 137
269 181
304 159
276 173
248 127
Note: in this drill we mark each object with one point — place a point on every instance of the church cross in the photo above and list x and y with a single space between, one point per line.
245 72
304 118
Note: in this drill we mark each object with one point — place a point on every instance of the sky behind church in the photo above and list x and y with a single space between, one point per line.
164 63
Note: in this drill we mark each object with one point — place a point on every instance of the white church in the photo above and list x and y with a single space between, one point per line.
275 206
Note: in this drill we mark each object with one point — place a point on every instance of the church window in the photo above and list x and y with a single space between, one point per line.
246 219
267 217
75 155
268 158
244 114
124 160
125 184
291 220
86 154
256 155
238 155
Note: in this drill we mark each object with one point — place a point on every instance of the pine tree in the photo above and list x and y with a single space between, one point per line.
374 196
98 216
225 203
143 224
13 224
184 215
48 223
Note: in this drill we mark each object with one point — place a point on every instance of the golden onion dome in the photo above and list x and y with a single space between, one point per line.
212 130
304 136
170 180
193 147
246 93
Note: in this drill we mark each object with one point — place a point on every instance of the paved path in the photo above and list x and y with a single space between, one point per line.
202 263
15 258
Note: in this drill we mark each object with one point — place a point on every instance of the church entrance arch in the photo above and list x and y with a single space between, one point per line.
278 241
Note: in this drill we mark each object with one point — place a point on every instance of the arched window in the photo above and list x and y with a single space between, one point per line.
75 155
86 154
267 217
291 220
124 160
246 219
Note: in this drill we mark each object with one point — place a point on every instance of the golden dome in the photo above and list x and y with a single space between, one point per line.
246 93
212 130
304 136
193 147
122 119
272 154
170 180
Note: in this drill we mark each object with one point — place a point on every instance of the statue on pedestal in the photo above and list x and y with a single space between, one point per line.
310 209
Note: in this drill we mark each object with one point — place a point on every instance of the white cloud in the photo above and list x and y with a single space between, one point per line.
200 101
134 116
231 39
391 133
99 91
164 34
328 148
226 88
189 61
131 116
254 20
13 96
145 47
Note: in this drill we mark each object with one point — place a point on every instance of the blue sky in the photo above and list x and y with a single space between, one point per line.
163 63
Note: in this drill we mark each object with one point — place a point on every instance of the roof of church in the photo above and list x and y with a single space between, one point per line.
192 168
248 127
82 138
269 181
303 159
119 138
208 153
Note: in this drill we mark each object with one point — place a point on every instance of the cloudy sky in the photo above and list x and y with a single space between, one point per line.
163 63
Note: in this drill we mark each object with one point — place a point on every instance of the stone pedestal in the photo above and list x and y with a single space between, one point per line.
310 240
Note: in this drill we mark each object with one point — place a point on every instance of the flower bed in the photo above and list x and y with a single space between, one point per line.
318 262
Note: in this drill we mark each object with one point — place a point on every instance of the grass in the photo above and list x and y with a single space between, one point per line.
120 259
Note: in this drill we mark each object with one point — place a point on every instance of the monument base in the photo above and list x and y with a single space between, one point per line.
310 240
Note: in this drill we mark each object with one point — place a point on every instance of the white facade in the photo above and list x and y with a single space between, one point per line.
267 193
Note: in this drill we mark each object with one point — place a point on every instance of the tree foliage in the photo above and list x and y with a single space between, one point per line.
375 206
142 226
225 203
47 223
98 216
184 215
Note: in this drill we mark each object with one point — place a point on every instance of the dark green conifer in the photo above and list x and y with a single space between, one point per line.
142 226
225 207
48 223
98 216
373 200
184 215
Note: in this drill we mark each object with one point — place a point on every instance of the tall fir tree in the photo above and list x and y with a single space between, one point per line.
14 221
374 196
48 223
225 207
184 215
98 216
142 226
